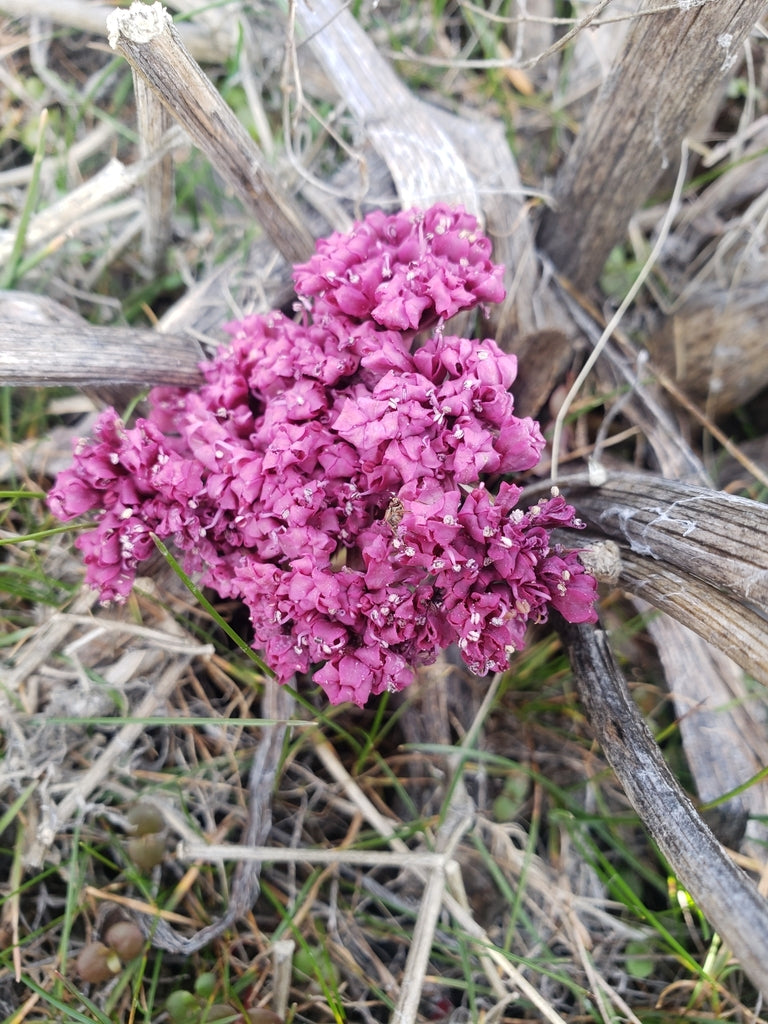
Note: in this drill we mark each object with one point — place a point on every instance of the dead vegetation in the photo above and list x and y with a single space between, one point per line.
462 851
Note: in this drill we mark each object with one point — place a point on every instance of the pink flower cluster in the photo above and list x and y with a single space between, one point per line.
342 478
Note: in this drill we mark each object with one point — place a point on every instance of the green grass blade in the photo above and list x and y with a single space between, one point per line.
206 604
9 273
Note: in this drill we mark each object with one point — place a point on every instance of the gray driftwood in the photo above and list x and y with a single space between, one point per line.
703 636
387 111
671 65
43 344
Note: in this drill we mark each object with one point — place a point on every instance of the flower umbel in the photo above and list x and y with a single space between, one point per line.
342 480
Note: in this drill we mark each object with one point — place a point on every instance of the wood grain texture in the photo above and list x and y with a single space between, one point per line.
147 38
719 538
714 347
90 16
714 707
421 158
727 897
671 64
153 120
739 631
86 356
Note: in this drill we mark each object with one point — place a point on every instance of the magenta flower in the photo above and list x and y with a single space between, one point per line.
342 474
403 271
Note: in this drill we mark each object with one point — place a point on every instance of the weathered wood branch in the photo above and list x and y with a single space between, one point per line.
420 156
154 120
726 896
203 43
697 554
719 538
147 38
737 630
671 65
711 701
88 356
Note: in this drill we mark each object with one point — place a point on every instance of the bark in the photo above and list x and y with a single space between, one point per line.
671 66
726 896
153 121
718 538
88 356
695 553
147 38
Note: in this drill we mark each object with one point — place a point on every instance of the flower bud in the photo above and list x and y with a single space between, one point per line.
126 939
147 851
97 963
145 818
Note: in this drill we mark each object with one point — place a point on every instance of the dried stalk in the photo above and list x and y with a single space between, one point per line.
697 554
715 537
735 629
147 38
91 356
636 125
89 16
153 122
421 158
713 705
725 895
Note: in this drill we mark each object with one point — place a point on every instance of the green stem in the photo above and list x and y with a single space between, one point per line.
8 277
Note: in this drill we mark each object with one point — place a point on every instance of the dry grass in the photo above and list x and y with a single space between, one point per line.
459 852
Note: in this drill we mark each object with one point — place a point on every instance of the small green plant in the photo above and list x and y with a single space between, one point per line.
201 1006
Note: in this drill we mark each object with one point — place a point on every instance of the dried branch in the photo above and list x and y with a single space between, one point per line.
711 700
89 16
147 38
725 895
154 121
634 129
736 630
718 538
421 158
88 356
